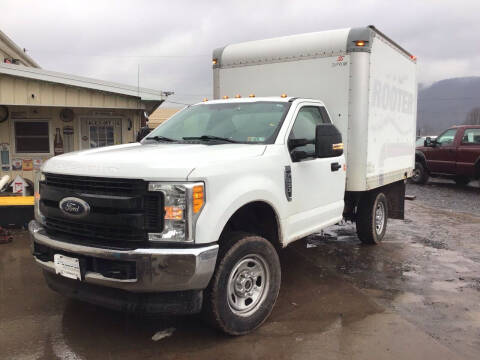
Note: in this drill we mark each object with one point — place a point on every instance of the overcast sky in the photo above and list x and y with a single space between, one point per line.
172 41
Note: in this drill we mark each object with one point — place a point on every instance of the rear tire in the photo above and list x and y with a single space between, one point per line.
461 180
372 215
245 285
420 175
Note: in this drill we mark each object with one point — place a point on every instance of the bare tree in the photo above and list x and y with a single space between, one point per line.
473 117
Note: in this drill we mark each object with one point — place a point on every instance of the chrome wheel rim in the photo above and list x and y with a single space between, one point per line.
248 285
379 217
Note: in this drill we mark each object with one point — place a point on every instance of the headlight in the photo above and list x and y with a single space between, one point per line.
183 203
39 177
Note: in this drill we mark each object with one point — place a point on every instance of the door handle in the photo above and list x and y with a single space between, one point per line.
335 166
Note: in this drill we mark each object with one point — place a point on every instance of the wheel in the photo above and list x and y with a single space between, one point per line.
245 285
372 215
461 180
420 175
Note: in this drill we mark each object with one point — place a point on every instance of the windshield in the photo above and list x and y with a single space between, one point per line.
248 122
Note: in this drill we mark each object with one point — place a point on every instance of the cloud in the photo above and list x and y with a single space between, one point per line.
172 41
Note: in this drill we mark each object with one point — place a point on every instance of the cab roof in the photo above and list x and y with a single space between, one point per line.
258 99
465 126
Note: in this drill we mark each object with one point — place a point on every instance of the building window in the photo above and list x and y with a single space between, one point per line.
32 137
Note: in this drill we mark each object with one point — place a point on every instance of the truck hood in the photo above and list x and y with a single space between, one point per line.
149 161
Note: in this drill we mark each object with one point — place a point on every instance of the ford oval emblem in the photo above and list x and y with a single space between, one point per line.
74 207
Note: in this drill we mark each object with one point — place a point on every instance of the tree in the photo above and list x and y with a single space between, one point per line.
473 117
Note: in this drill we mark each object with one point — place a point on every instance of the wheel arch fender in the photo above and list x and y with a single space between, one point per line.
420 157
239 195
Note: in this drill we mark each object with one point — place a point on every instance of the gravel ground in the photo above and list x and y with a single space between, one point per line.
445 194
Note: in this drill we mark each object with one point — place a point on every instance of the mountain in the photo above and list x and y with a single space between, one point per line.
446 103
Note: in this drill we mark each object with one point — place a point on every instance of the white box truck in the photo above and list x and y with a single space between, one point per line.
192 218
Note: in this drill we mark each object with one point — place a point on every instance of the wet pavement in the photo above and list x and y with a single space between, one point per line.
415 296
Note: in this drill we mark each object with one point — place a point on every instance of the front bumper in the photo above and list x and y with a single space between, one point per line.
157 270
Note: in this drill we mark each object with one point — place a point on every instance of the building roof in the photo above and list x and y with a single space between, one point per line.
17 50
82 82
160 115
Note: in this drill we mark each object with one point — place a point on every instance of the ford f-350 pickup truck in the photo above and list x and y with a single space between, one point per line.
192 218
454 154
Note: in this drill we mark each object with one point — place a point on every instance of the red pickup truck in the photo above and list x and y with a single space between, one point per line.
454 154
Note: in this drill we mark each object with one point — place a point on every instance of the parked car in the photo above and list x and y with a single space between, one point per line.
454 154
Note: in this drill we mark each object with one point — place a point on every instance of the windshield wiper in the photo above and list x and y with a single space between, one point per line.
209 138
159 138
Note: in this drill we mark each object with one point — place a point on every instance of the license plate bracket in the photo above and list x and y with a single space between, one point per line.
67 266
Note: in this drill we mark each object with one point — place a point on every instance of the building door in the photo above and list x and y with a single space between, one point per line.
98 132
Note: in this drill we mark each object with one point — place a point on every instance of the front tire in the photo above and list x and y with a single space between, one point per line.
420 175
372 215
245 285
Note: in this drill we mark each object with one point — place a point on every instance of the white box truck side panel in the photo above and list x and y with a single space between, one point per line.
369 91
392 115
324 79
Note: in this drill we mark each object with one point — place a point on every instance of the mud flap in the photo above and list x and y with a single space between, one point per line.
395 193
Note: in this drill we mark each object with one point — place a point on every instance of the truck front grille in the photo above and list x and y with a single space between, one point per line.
104 234
122 211
95 185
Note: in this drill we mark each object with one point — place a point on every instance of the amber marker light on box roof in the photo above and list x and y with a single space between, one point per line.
360 43
198 198
251 95
225 97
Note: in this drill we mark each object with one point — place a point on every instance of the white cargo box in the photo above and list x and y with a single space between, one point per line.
369 89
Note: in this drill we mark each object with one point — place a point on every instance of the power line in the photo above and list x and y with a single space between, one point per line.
118 56
183 94
175 102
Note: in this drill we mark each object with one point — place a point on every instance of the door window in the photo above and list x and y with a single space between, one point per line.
305 124
471 136
99 132
447 137
101 135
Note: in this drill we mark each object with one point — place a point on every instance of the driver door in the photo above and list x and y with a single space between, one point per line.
441 157
317 186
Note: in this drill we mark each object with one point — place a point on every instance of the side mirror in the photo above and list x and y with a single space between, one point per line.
328 141
427 141
294 143
298 155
